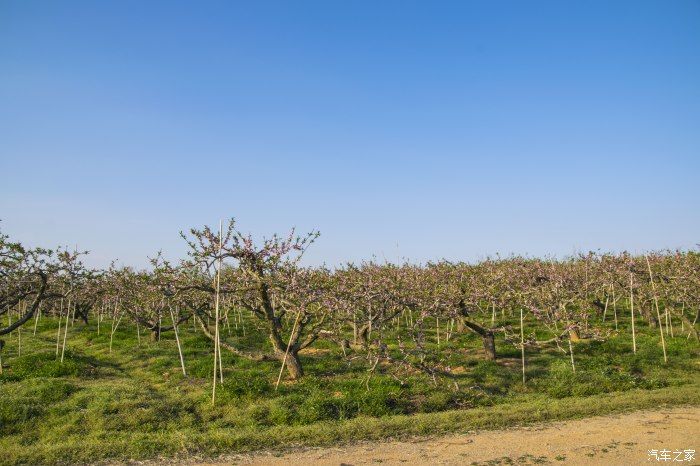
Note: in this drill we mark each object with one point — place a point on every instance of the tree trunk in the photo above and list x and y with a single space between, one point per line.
600 306
293 365
82 311
489 342
487 335
653 321
363 335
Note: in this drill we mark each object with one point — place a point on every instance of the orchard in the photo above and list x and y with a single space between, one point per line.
240 337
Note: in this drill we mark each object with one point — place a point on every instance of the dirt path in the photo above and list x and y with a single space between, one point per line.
612 440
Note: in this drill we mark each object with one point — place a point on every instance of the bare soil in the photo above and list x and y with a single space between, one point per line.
623 439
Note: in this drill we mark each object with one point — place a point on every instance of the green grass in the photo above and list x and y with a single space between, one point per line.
134 402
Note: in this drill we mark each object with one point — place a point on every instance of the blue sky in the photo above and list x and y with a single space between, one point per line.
396 128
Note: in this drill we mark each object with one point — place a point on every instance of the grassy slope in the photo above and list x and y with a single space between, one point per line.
134 402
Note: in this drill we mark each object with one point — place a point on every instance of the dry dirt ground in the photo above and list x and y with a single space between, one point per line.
623 439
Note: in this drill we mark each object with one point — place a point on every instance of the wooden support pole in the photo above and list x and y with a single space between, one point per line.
216 314
522 343
656 304
634 337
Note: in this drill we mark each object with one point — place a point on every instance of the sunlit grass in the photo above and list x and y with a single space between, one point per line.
135 403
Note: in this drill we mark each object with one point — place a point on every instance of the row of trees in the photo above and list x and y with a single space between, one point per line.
388 312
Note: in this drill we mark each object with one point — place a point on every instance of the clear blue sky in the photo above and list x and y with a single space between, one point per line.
397 128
